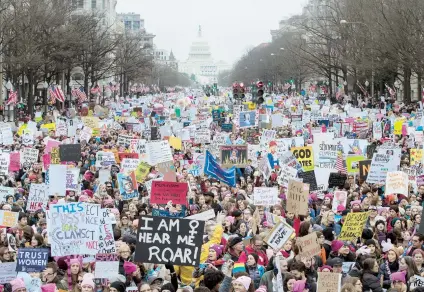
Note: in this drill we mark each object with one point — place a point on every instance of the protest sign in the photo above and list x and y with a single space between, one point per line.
73 228
122 155
279 235
234 155
158 151
4 192
340 199
396 183
364 168
304 156
32 260
329 282
107 266
352 163
129 164
336 179
384 161
8 219
416 156
128 187
57 180
167 169
265 196
416 281
202 136
54 155
7 272
124 140
308 177
85 134
297 200
70 152
142 171
104 159
308 245
164 191
353 226
72 175
247 119
420 180
106 239
91 122
140 147
161 240
15 161
29 156
203 216
4 163
38 197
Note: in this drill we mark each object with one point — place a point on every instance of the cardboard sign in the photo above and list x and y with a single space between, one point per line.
397 183
265 196
329 282
8 219
234 155
38 197
164 191
167 169
308 245
305 156
70 152
107 266
279 235
32 259
161 240
364 169
353 226
297 200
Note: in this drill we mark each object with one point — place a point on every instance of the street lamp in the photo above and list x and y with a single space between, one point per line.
367 83
8 89
45 86
282 49
345 22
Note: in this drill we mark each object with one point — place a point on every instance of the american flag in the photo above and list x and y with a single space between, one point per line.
13 98
340 163
392 92
59 93
95 89
339 91
80 94
52 93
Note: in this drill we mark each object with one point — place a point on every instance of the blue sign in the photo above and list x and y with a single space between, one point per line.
32 259
213 169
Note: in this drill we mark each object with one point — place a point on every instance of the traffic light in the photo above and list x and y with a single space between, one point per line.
242 91
235 91
260 93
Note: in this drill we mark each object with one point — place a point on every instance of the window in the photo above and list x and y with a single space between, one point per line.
127 24
78 3
93 4
136 25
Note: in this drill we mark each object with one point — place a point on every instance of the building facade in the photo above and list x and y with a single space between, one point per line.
133 23
107 8
166 58
200 63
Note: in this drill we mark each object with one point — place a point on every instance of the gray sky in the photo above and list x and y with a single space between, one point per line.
230 26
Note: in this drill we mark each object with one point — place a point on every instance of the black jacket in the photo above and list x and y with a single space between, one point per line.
370 282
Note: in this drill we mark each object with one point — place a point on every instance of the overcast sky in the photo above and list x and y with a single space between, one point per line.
230 26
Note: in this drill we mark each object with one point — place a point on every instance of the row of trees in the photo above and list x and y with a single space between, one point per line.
343 40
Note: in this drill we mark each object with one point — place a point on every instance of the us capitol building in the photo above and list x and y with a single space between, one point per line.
200 62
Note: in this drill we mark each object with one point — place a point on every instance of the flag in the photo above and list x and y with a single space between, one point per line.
213 169
80 94
340 163
339 91
13 98
59 94
52 93
392 92
362 88
95 89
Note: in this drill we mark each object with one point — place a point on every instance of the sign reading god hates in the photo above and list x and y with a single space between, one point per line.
161 240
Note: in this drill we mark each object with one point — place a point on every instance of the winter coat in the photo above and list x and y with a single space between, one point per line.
370 282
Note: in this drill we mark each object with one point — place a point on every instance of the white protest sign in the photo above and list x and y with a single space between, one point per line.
57 180
7 272
4 192
124 140
104 159
106 239
85 134
61 128
159 151
204 216
263 196
279 235
396 183
129 164
202 136
4 163
38 197
72 175
28 156
140 147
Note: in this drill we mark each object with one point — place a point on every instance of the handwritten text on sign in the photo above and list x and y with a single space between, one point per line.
265 196
297 201
353 226
164 191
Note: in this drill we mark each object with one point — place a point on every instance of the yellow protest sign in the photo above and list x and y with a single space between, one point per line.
353 226
49 127
91 122
21 129
142 171
175 143
54 155
416 156
251 105
96 132
305 156
397 128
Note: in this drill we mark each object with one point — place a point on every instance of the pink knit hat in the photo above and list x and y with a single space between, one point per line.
129 268
398 276
336 245
48 288
357 202
218 249
299 286
262 289
231 219
17 283
245 281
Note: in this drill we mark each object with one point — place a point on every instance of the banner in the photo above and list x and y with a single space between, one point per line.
396 183
297 199
263 196
38 197
214 170
308 245
329 282
353 226
162 240
304 156
31 260
70 152
164 191
279 235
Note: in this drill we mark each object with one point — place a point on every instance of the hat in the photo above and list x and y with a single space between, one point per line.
340 208
217 248
393 222
230 218
335 262
235 240
262 289
237 213
87 280
336 245
398 276
48 287
17 283
118 286
210 194
370 242
299 286
357 202
129 268
272 143
325 267
245 281
42 221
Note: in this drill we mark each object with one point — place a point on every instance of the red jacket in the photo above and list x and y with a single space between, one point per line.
263 259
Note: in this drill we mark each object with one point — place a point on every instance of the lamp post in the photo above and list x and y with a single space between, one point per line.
70 84
345 22
45 86
8 89
397 85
